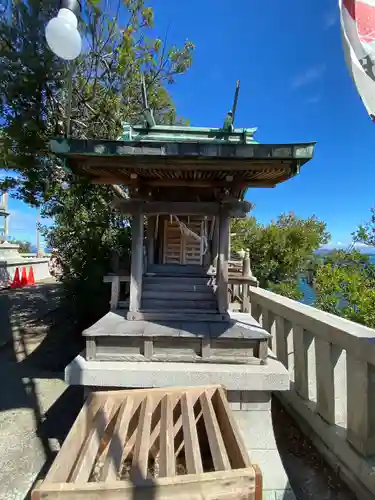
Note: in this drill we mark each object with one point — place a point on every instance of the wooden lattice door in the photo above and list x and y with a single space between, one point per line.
180 248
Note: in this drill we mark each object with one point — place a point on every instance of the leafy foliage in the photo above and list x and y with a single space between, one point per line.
24 246
105 80
104 84
345 286
366 232
85 234
280 250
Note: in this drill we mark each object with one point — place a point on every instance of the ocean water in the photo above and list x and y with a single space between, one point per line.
308 291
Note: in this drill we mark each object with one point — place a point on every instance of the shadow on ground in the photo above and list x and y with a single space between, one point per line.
37 340
310 477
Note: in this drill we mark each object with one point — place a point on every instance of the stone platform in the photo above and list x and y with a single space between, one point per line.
114 338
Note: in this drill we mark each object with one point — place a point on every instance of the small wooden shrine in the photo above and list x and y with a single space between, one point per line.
183 185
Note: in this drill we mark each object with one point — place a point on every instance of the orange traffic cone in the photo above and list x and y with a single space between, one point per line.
16 283
31 278
23 277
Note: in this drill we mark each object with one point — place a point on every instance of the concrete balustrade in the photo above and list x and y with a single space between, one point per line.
11 260
332 365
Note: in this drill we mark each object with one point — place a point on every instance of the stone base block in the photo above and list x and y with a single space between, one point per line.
249 400
264 378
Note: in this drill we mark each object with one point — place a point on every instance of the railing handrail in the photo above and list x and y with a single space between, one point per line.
338 331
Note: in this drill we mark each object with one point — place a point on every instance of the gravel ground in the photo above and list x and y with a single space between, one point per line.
310 477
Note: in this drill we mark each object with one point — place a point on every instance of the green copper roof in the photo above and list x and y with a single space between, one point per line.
176 133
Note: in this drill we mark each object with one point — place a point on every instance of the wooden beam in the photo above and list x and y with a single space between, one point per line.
226 164
238 184
136 262
215 242
232 208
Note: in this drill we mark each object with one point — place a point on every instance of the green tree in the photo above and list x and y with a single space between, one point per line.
24 246
105 91
105 84
345 286
366 232
279 251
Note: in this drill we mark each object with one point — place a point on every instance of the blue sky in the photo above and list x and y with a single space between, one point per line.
295 87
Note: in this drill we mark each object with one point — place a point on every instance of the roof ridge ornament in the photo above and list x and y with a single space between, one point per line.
147 111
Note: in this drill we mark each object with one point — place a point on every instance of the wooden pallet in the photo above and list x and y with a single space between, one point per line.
153 444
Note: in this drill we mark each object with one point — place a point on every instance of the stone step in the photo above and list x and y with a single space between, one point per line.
180 315
176 286
178 294
176 269
185 280
171 304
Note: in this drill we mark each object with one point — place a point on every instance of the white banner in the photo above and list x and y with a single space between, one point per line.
358 33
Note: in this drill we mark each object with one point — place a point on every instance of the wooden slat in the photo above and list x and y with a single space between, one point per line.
194 395
192 449
86 459
218 452
62 466
180 446
229 485
114 457
258 493
167 458
158 394
130 443
142 444
235 446
105 440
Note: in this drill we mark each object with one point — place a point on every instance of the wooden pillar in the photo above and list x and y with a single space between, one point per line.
215 242
136 263
229 243
222 267
151 223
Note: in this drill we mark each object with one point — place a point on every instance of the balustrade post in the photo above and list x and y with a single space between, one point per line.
360 405
325 382
301 343
282 329
115 292
245 298
256 310
246 270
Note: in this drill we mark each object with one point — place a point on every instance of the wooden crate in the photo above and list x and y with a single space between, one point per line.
153 444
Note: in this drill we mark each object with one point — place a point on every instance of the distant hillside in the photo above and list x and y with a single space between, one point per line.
365 249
